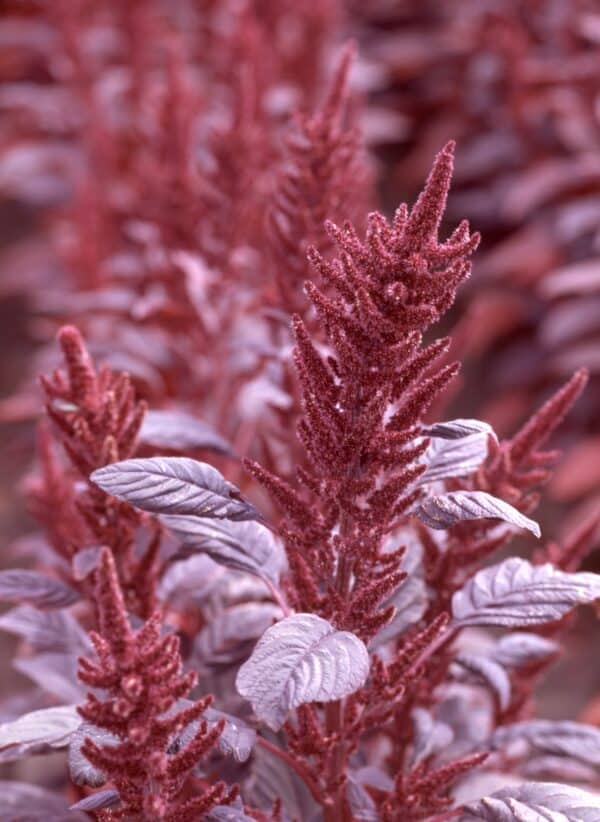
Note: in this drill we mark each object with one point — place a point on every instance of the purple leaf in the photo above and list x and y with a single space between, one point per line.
85 561
179 431
468 711
410 601
23 702
97 801
582 277
361 803
234 812
516 594
272 779
38 732
225 638
558 767
375 777
447 458
457 429
237 739
245 546
492 674
519 649
174 485
299 660
191 578
35 589
22 802
81 770
446 510
112 300
429 736
55 673
50 631
533 801
561 737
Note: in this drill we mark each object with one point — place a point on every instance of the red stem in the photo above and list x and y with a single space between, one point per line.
296 766
453 814
277 596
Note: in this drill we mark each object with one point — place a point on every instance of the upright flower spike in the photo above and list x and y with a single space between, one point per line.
96 417
323 160
518 467
141 673
363 404
52 499
423 223
421 794
362 410
96 412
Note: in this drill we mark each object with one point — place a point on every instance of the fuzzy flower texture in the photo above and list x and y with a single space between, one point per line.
327 569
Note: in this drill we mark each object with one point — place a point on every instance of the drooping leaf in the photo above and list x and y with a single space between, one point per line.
429 736
81 770
374 777
234 812
515 593
38 732
179 431
410 601
447 458
468 711
535 802
191 578
457 429
299 660
46 631
246 546
23 702
55 673
546 767
520 648
479 782
85 561
97 801
272 779
561 737
577 278
35 589
225 638
237 739
445 510
492 674
361 803
22 802
174 485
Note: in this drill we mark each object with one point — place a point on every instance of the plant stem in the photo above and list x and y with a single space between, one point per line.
453 814
296 766
334 711
434 646
277 596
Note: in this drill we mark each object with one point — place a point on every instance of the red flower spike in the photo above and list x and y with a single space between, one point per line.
141 672
323 160
96 418
421 794
384 292
538 429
